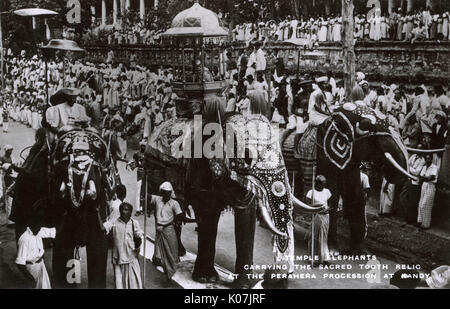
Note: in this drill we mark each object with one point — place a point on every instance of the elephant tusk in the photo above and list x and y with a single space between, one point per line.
304 207
398 167
265 215
62 189
92 192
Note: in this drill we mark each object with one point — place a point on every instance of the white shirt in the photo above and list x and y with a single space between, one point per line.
365 184
320 197
30 247
63 114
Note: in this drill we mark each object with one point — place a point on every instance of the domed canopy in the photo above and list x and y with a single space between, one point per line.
196 21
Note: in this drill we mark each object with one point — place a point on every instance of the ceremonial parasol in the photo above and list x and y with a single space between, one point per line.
35 12
67 45
58 44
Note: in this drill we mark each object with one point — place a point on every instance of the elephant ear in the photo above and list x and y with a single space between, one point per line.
338 141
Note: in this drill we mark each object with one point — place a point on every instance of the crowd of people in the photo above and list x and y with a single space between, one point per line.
411 26
126 99
398 26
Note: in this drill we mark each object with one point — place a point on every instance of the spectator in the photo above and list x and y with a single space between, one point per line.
319 198
127 239
428 177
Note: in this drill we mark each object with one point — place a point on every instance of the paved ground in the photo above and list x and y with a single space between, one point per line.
21 137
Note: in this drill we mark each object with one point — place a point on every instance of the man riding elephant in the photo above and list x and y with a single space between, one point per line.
70 174
65 112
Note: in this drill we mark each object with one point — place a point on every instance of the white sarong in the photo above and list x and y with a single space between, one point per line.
128 276
39 273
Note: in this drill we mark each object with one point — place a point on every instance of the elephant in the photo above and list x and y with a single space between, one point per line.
351 134
84 180
69 187
246 174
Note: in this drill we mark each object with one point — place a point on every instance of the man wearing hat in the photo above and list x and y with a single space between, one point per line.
65 112
167 213
439 130
298 119
317 108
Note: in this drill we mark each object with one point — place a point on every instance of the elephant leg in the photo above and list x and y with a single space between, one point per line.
181 248
207 222
354 208
97 256
60 258
244 223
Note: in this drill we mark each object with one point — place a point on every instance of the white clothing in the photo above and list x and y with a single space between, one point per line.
365 184
30 253
260 60
320 197
30 247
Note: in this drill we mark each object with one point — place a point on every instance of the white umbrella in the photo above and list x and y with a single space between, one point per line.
67 45
35 12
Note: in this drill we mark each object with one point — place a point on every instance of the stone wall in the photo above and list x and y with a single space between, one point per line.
381 61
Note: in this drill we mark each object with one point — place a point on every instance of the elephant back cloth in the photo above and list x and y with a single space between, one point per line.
339 135
266 176
82 150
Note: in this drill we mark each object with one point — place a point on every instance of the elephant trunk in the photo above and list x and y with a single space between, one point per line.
92 191
266 217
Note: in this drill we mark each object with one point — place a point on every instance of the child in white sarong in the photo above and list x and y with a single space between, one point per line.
30 255
321 220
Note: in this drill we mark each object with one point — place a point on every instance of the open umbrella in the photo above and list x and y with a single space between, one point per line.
67 45
35 12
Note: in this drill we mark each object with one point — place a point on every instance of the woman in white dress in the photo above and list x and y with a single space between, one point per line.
377 33
384 28
445 26
337 30
440 22
280 31
294 24
331 25
409 26
372 28
322 35
286 30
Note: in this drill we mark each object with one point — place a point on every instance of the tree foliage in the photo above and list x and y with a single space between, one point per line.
18 32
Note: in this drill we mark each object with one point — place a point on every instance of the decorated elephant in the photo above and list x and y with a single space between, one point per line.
68 188
246 174
353 133
84 179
